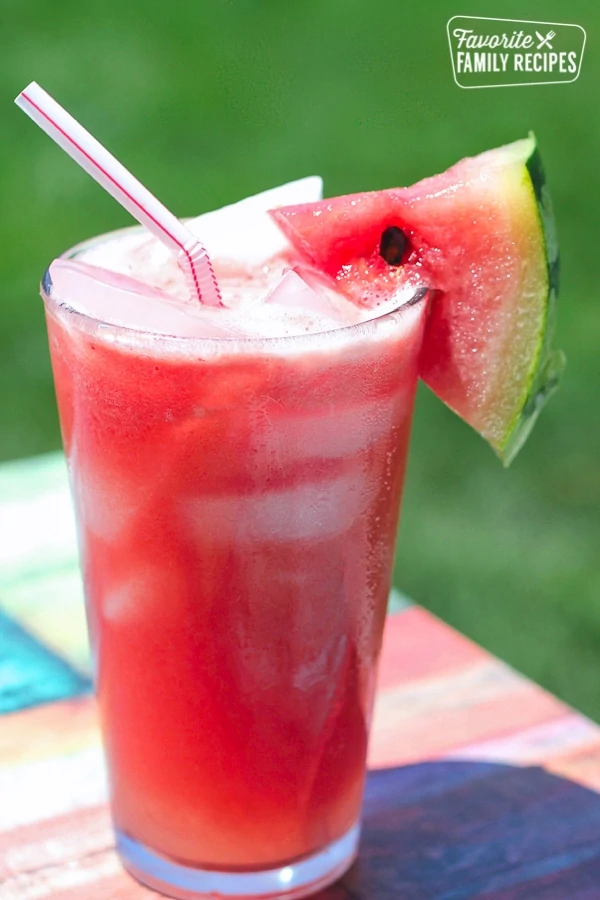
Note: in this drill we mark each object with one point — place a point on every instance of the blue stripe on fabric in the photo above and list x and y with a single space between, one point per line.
30 673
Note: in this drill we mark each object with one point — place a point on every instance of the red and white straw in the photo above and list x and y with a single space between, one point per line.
124 187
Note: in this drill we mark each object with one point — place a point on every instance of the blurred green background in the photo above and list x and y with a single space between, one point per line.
208 102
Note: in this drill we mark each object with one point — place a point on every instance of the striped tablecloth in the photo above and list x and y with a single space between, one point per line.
482 785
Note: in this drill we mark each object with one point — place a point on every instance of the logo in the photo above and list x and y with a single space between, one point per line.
513 52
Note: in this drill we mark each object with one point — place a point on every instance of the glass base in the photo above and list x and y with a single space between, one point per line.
299 879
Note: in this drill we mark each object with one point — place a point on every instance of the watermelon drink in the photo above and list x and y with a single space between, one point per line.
237 465
237 475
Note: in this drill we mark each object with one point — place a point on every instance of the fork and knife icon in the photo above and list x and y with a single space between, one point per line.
545 41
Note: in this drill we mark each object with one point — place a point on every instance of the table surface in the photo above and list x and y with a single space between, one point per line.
481 784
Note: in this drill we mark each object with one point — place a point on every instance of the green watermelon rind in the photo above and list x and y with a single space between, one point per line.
548 364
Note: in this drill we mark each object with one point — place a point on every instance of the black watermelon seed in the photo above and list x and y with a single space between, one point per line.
393 245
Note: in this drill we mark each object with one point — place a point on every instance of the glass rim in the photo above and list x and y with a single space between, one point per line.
135 339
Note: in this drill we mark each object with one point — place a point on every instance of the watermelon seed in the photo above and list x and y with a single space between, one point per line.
393 245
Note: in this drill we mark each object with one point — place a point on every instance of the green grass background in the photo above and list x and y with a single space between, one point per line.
211 101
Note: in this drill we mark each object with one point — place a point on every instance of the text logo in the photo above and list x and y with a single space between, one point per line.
513 52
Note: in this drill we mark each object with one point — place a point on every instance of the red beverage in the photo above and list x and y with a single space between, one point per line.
237 466
237 504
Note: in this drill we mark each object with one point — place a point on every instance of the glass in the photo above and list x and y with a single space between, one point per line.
237 506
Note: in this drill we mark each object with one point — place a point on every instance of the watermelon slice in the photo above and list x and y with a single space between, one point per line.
482 235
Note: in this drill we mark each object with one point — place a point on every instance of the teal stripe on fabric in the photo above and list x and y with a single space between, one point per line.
30 673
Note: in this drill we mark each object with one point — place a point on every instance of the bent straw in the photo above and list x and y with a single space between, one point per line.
125 188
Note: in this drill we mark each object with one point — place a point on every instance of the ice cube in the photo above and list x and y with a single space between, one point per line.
148 592
105 500
244 231
294 292
310 511
297 437
121 603
117 299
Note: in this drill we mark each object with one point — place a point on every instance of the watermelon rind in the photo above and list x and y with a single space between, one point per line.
548 366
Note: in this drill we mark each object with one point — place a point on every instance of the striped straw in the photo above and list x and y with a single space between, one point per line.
124 187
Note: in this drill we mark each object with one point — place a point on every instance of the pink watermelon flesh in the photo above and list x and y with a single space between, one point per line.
481 236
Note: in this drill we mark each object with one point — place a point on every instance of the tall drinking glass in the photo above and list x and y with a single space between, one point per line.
237 505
